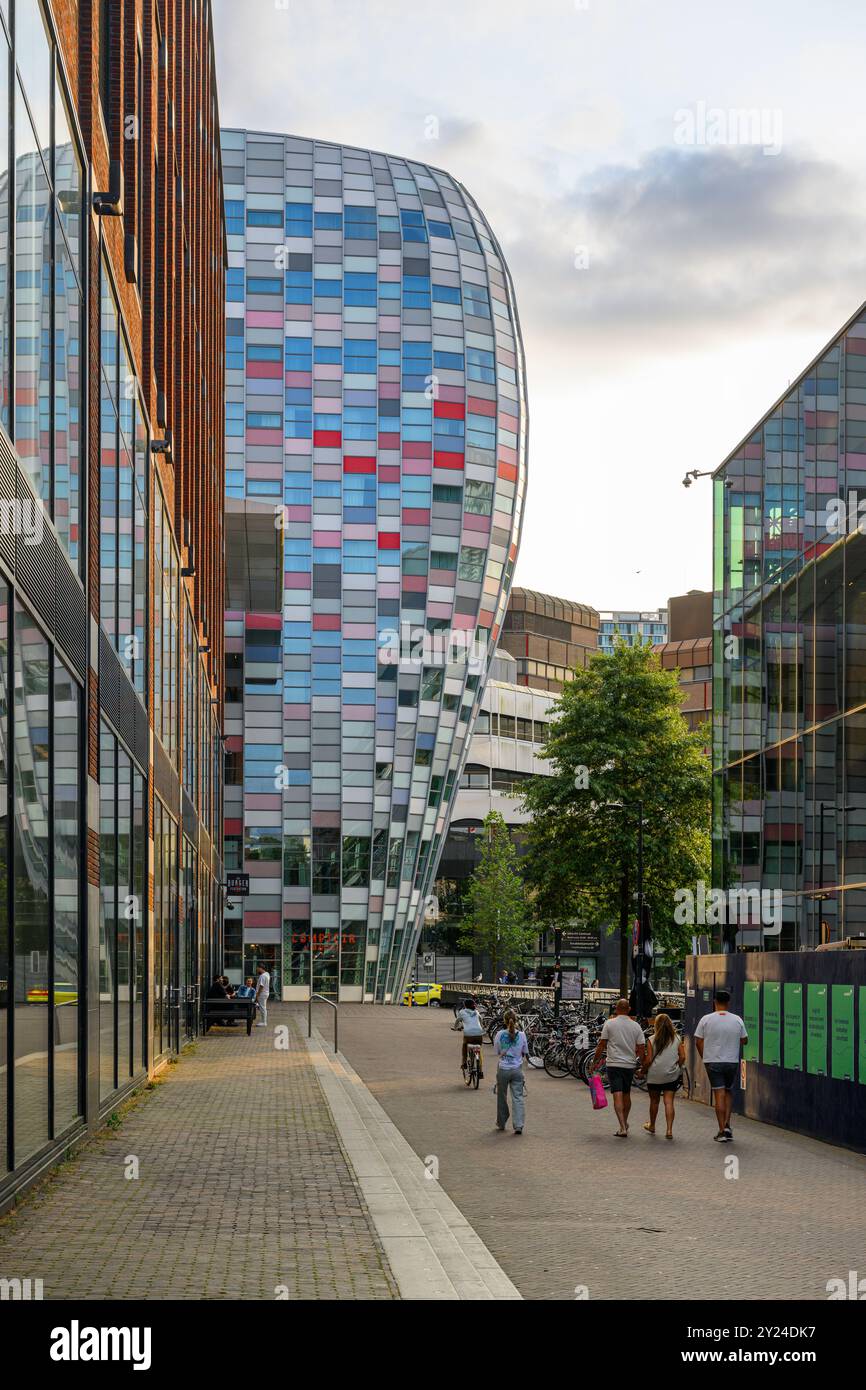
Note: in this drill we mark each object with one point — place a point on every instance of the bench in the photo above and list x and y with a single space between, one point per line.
227 1011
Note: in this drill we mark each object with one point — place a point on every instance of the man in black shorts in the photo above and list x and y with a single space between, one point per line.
719 1037
623 1041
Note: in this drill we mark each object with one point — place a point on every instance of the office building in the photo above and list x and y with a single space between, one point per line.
632 627
689 649
548 637
375 411
111 582
789 728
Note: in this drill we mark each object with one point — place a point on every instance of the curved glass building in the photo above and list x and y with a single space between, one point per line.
375 472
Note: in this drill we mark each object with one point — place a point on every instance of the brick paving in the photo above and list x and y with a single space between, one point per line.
244 1190
567 1205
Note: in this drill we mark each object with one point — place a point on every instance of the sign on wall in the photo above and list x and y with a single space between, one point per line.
816 1030
842 1037
237 885
793 1004
772 1023
752 1020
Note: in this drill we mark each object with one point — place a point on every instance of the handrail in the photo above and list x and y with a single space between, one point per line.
322 1000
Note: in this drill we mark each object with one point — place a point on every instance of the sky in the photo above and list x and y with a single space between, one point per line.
678 189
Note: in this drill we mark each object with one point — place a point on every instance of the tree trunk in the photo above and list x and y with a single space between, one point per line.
624 936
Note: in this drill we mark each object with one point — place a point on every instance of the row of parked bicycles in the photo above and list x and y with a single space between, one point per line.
564 1045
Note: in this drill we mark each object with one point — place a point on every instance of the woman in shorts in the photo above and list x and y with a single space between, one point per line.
664 1061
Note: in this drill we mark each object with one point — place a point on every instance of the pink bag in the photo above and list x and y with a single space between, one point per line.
596 1090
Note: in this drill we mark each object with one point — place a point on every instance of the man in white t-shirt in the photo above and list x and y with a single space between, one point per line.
623 1041
263 989
719 1037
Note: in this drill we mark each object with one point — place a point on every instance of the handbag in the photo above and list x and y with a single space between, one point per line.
597 1094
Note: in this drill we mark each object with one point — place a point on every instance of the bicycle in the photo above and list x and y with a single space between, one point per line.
472 1071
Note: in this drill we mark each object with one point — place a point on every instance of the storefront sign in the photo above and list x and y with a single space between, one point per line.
237 885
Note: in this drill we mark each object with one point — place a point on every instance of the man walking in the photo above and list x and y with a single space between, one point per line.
719 1037
623 1041
263 989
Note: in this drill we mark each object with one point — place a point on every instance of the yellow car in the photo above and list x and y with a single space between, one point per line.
423 994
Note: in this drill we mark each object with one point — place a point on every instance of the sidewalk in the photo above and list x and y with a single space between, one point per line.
244 1191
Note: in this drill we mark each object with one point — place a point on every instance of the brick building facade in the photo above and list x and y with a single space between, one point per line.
112 268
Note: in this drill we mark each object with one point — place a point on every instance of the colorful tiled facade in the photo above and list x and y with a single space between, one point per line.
375 407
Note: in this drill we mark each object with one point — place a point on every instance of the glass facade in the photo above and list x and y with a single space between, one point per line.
789 670
375 401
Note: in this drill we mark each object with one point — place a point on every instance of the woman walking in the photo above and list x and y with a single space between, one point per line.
665 1058
510 1047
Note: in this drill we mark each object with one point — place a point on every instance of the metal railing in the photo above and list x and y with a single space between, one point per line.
332 1005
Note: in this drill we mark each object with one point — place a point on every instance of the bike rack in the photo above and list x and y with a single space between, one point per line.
331 1004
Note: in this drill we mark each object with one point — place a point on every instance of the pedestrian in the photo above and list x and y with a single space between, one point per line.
473 1031
622 1043
510 1047
719 1037
664 1061
263 989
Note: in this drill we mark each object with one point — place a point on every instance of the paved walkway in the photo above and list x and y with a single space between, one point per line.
243 1191
566 1206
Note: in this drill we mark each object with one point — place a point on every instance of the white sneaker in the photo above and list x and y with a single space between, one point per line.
261 1025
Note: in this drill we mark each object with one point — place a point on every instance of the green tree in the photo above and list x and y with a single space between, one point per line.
618 736
496 920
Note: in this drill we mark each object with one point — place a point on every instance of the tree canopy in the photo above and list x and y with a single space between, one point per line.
497 920
618 736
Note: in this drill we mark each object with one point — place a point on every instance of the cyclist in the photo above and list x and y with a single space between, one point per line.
473 1032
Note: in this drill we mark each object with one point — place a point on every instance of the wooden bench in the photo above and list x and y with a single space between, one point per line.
227 1011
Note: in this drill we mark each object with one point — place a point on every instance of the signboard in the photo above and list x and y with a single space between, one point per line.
816 1030
793 1008
772 1023
428 960
752 1020
572 984
238 885
583 940
842 1037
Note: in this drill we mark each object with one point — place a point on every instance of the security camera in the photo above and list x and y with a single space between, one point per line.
687 482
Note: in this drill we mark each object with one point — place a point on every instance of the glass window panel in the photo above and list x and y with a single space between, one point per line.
125 918
33 56
67 896
4 861
67 403
5 286
31 894
33 236
107 910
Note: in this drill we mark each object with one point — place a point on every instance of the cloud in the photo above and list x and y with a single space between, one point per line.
712 241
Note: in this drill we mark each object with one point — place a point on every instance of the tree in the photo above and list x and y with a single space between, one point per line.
618 736
496 918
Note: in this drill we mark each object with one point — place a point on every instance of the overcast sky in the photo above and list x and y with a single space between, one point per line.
675 267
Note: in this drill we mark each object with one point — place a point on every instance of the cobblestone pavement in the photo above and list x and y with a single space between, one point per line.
567 1205
243 1191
